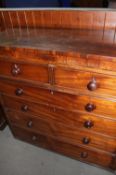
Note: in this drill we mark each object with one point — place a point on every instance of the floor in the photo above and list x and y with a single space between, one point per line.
19 158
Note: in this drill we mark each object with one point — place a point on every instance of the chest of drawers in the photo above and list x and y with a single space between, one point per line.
58 86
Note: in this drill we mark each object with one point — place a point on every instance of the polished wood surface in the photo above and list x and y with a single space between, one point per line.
24 71
60 76
62 132
85 81
75 42
84 19
49 18
58 81
105 107
101 125
77 152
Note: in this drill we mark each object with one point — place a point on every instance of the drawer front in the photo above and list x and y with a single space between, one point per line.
62 132
86 81
67 101
74 119
82 154
24 71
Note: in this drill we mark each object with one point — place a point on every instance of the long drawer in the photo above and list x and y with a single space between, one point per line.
87 104
86 81
62 132
77 152
63 77
74 119
24 71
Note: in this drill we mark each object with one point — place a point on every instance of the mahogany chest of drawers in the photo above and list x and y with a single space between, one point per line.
58 81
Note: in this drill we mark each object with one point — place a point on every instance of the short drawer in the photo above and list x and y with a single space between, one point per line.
76 103
76 152
86 82
62 132
74 119
23 71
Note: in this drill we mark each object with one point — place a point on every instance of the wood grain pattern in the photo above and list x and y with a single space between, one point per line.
74 42
61 132
80 79
96 63
58 80
97 20
103 107
94 157
58 19
48 113
60 77
24 71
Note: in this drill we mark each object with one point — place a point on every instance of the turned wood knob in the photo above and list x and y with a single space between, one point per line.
92 85
86 140
34 138
15 70
88 124
90 107
30 124
84 155
25 108
19 91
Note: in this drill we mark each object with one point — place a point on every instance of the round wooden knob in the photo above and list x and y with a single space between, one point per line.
90 107
88 124
86 140
24 108
19 91
30 124
15 70
84 155
92 85
34 138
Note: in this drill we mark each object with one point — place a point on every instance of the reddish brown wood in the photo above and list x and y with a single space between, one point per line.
50 18
94 156
87 81
101 59
105 107
102 20
82 80
61 132
43 111
58 80
24 71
